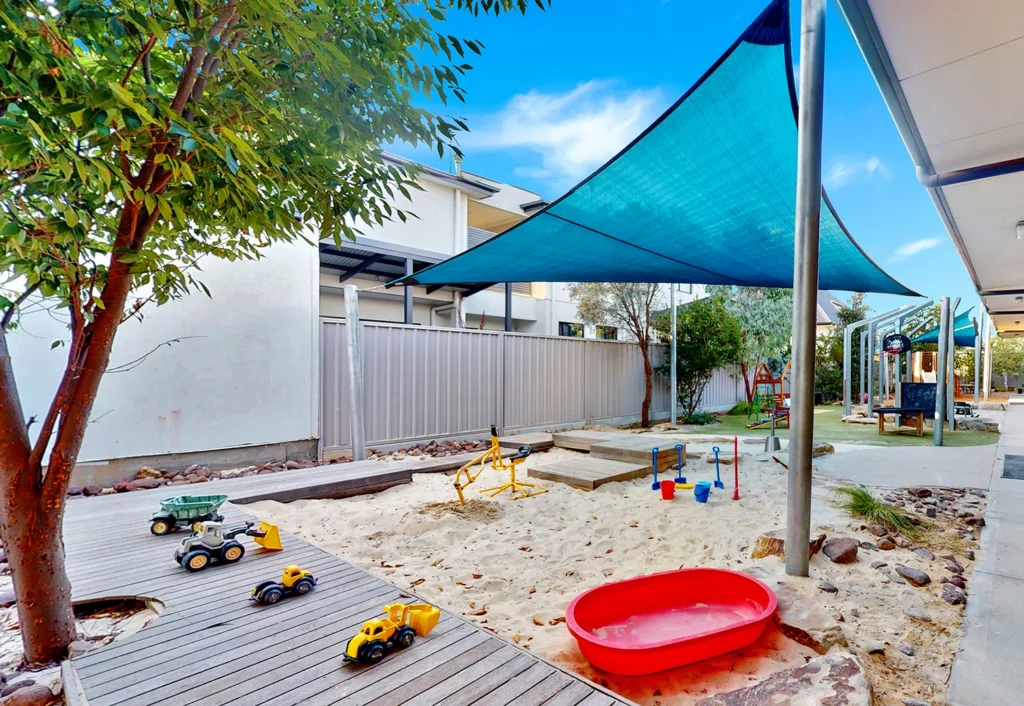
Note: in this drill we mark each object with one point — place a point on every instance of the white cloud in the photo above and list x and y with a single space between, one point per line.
843 172
572 132
915 248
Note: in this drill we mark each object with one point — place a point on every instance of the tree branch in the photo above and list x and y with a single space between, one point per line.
9 314
139 57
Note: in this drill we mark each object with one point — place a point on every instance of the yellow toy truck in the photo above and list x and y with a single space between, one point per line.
294 581
400 626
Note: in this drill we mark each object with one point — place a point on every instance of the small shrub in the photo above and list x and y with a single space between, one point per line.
860 503
740 408
701 418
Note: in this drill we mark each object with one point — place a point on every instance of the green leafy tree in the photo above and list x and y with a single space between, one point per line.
828 357
708 337
766 319
137 138
627 306
1007 358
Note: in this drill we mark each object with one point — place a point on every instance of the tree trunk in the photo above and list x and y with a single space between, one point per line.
748 386
645 408
35 551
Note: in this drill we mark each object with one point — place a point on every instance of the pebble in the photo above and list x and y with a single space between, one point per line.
841 550
979 493
907 650
886 544
33 695
874 648
878 565
957 581
878 530
854 612
915 702
15 686
953 595
892 577
969 555
868 545
914 577
924 553
920 492
917 614
827 587
955 567
930 512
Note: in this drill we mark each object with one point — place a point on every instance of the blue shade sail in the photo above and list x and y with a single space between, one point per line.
963 332
705 195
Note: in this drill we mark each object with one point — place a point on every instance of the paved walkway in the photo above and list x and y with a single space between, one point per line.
213 647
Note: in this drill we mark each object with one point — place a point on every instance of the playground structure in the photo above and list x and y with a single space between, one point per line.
769 398
492 456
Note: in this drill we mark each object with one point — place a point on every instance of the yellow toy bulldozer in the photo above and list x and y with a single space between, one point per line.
398 628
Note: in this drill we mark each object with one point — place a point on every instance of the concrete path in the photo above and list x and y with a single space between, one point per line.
988 669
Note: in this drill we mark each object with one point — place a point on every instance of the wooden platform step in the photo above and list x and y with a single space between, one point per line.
637 449
540 441
589 473
582 440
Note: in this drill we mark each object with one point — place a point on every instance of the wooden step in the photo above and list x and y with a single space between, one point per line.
582 440
588 473
636 448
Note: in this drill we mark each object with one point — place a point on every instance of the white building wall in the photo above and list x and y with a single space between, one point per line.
438 222
243 373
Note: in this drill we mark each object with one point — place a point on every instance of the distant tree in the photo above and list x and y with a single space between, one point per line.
1007 358
765 316
828 358
136 138
627 306
708 338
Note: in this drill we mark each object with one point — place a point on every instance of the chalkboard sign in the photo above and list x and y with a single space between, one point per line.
920 395
895 343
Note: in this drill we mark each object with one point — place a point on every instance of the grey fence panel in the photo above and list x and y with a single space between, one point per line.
545 381
335 428
724 390
427 382
615 377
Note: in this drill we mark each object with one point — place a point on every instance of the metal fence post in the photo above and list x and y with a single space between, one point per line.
871 368
805 283
940 375
355 372
673 382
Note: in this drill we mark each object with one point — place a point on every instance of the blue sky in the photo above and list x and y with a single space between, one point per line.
557 93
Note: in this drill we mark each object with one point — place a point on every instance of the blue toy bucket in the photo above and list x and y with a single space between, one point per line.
701 491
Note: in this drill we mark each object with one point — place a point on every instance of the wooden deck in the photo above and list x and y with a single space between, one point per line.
582 440
637 448
589 473
213 647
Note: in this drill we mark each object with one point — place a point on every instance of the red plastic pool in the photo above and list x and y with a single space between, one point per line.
652 623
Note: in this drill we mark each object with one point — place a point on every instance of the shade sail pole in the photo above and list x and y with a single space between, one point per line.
977 357
674 383
354 352
805 283
987 376
940 374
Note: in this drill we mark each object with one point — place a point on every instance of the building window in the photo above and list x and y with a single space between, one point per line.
570 329
684 288
608 333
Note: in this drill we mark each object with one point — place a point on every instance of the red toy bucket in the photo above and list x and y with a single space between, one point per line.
668 489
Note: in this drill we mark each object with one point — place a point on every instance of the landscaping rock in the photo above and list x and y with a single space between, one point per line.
895 578
107 491
78 648
121 486
91 490
978 493
7 597
953 595
954 567
878 565
878 530
15 686
977 521
915 702
957 581
915 577
874 648
886 544
774 544
917 614
147 472
835 678
34 695
827 587
907 650
841 550
930 512
854 612
822 448
147 483
924 553
969 555
869 546
804 622
74 490
920 492
902 543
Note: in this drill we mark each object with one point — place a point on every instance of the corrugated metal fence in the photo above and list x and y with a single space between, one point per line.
423 383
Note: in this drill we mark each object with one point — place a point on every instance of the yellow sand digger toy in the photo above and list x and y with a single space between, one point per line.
398 628
470 472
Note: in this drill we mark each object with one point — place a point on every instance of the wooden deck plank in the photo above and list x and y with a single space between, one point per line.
588 472
637 448
582 440
539 440
485 684
445 670
523 682
571 695
464 677
543 691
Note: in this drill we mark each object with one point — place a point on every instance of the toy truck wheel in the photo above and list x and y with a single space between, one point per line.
372 652
161 526
303 586
270 595
232 552
196 560
405 637
197 526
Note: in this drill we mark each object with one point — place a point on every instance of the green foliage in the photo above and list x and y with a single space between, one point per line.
700 418
859 502
158 133
741 408
828 355
1007 358
765 318
708 338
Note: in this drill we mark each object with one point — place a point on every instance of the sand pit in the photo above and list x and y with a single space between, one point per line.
513 567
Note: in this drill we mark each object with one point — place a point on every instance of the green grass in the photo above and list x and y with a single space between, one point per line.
862 504
829 426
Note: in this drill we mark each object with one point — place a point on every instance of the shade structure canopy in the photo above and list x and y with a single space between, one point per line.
963 332
705 195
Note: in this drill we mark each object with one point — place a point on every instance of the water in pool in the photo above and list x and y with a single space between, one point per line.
673 623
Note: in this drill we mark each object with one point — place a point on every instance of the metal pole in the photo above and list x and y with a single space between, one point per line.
898 367
863 365
805 283
987 379
355 372
508 306
951 388
407 294
871 369
940 375
674 382
847 371
977 357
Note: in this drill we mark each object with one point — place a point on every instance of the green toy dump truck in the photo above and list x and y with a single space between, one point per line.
186 511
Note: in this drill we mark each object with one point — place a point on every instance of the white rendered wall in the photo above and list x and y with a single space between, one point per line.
434 225
248 377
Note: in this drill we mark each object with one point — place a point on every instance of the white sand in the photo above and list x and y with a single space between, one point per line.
513 567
